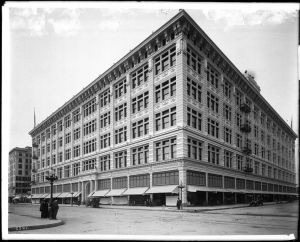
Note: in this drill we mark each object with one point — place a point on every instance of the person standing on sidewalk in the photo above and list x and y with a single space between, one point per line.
55 208
42 208
178 204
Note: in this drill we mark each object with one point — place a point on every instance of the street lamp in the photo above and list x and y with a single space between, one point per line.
51 179
181 187
72 199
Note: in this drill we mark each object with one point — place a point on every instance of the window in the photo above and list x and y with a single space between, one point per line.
53 159
212 102
165 178
60 157
139 181
165 60
140 102
53 129
120 88
239 161
105 163
194 118
120 159
213 154
212 77
238 98
227 89
89 107
194 90
227 112
67 154
262 119
53 144
104 98
76 115
43 150
140 76
89 165
76 169
76 134
104 184
256 167
48 148
140 128
68 121
165 90
59 126
121 112
104 120
227 159
263 169
60 142
59 172
165 149
48 133
89 146
238 119
121 135
193 60
68 138
256 149
255 131
227 135
215 180
213 128
165 119
196 178
119 182
229 182
43 137
194 149
89 127
140 155
104 141
76 151
67 171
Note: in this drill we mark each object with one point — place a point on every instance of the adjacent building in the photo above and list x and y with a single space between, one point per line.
19 173
174 117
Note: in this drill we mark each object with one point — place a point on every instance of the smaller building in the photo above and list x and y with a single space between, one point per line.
19 174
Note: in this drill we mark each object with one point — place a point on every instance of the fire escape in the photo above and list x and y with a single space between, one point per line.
34 159
246 130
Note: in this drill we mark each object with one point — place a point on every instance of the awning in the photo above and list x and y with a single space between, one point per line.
191 188
35 196
54 195
115 192
163 189
100 193
63 195
90 194
136 191
44 195
76 194
17 197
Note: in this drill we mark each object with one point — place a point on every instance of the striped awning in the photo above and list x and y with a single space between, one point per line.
136 191
100 193
115 192
54 195
63 195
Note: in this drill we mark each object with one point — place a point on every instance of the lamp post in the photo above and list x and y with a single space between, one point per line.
181 187
51 179
72 199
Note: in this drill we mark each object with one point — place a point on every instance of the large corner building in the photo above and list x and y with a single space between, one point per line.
174 117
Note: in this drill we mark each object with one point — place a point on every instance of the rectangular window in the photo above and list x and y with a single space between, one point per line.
165 149
59 126
89 107
76 134
121 112
140 128
104 98
67 171
120 159
165 119
140 102
60 141
227 112
213 154
60 157
67 154
212 102
196 178
194 90
139 76
68 138
140 155
104 184
139 181
76 169
88 165
165 60
215 180
193 60
89 127
228 159
238 98
53 129
104 141
194 118
194 149
227 135
119 182
240 163
105 163
104 120
121 135
89 146
59 172
165 178
53 159
120 88
165 90
227 89
76 151
238 119
54 145
48 133
213 127
76 115
212 76
68 121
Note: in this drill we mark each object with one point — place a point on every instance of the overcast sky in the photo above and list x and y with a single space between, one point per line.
52 52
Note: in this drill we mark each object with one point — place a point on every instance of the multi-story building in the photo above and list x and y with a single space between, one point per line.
19 172
174 117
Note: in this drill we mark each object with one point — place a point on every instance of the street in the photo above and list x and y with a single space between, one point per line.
277 219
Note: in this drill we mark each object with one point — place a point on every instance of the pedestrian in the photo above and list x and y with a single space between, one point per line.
46 212
55 208
42 207
178 204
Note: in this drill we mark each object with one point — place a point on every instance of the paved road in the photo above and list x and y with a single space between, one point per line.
279 219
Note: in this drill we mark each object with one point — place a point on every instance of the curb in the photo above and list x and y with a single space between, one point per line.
32 227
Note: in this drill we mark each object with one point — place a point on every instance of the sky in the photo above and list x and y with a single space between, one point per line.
52 51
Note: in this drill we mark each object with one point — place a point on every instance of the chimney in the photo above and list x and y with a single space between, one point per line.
251 78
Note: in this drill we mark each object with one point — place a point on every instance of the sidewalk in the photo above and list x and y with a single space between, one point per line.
18 222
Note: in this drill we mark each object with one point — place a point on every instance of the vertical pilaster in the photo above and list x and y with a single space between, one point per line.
182 181
151 109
